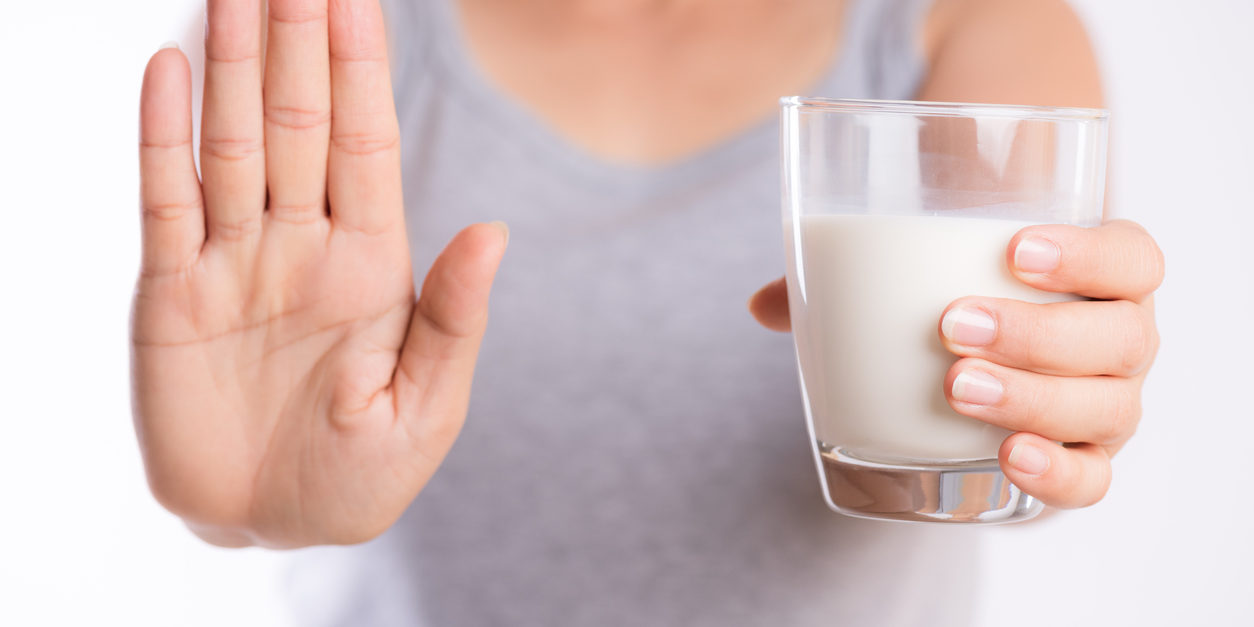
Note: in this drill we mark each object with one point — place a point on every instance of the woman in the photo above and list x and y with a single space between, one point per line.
634 452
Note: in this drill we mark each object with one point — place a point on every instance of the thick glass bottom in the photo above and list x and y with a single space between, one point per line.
961 492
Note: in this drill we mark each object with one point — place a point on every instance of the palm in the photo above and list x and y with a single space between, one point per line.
288 388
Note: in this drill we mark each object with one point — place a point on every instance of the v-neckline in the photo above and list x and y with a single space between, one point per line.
489 100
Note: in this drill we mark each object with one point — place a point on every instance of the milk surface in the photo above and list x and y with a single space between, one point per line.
866 295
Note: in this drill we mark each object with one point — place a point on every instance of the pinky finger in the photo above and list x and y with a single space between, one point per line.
1060 476
173 213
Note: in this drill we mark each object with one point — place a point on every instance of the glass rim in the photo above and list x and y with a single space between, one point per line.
944 109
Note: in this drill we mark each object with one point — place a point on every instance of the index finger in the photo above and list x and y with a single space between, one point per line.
1116 261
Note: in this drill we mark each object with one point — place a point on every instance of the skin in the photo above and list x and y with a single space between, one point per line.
289 387
1072 372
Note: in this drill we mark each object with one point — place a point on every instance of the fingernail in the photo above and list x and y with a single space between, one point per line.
1036 255
1028 459
169 44
976 387
504 230
968 326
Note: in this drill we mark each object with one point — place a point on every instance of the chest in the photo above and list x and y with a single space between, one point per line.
654 84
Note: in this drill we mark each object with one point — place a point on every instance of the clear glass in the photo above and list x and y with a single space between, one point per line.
892 210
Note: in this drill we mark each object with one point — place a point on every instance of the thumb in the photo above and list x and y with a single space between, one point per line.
769 306
437 361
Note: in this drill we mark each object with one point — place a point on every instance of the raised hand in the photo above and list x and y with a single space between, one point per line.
1065 372
288 390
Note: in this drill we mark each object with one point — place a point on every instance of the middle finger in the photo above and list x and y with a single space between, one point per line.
232 144
297 109
1072 339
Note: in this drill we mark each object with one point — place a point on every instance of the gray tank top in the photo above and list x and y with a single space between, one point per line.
635 451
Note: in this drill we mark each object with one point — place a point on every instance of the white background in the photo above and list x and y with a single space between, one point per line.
81 542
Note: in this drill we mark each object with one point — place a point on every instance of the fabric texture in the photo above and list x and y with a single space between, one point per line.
635 451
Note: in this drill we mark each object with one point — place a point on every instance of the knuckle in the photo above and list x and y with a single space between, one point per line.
357 54
1032 338
236 229
1141 255
298 13
231 149
1152 339
355 47
1121 416
296 118
1031 406
364 228
170 211
225 41
365 144
298 214
223 55
169 144
1140 338
152 270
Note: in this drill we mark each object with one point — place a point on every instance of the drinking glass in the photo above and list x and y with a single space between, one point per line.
892 210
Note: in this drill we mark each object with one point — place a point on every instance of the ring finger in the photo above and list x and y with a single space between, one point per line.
297 109
1102 410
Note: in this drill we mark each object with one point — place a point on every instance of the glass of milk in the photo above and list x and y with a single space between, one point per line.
892 210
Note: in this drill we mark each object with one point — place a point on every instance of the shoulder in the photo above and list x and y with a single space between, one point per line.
1009 51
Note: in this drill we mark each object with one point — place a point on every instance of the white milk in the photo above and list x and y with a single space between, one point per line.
865 318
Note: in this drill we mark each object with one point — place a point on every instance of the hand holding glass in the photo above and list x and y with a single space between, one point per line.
892 210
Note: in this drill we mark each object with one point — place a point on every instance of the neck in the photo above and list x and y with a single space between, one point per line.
633 80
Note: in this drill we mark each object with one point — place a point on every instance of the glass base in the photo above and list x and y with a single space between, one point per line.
960 492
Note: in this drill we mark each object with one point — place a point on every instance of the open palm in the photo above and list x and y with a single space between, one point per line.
288 388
